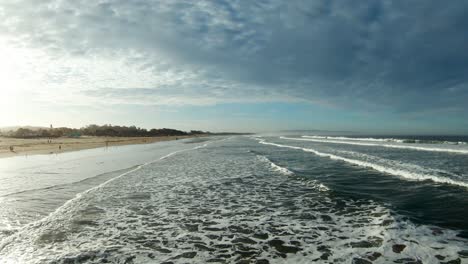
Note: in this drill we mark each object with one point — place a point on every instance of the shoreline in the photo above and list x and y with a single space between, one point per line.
38 146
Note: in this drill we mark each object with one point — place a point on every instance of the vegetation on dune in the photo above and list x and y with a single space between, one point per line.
96 130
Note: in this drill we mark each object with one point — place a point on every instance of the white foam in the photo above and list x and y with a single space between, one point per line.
357 139
276 167
387 140
225 199
311 183
317 185
395 163
389 170
70 203
420 148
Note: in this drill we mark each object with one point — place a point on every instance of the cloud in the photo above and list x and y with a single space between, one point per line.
396 56
187 94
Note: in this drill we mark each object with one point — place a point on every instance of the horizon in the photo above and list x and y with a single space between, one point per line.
371 68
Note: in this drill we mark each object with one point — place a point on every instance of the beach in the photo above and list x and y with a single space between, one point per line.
239 199
35 146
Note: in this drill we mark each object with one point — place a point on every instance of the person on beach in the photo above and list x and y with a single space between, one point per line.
12 149
60 147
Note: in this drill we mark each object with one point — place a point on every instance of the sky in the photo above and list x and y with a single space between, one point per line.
369 66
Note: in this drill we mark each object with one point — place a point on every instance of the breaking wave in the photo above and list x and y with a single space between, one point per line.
67 206
398 140
275 166
396 171
420 148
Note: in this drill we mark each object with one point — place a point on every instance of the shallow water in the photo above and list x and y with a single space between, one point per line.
257 200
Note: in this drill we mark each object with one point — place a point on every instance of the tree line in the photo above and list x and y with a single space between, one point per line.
96 130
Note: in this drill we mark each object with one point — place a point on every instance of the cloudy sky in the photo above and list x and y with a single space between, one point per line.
371 66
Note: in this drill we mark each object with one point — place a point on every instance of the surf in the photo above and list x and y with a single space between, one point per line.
419 148
405 174
70 204
398 140
275 166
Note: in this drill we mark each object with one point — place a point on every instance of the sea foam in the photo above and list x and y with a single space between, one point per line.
378 167
398 140
275 166
420 148
74 202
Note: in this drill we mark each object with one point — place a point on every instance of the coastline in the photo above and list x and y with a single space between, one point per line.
36 146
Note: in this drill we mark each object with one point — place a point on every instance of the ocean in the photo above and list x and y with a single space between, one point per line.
298 198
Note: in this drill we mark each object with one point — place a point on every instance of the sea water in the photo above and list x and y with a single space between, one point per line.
247 199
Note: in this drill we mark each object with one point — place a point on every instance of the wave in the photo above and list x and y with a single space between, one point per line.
397 140
419 148
356 139
317 185
311 183
381 168
398 164
69 205
63 185
276 167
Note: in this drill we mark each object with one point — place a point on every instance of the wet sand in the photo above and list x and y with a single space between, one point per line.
59 145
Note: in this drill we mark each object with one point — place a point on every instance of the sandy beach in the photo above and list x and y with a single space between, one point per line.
59 145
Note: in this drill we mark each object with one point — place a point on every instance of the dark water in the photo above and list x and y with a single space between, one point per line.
429 139
244 200
418 190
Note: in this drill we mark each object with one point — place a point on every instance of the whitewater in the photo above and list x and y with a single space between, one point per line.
262 199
